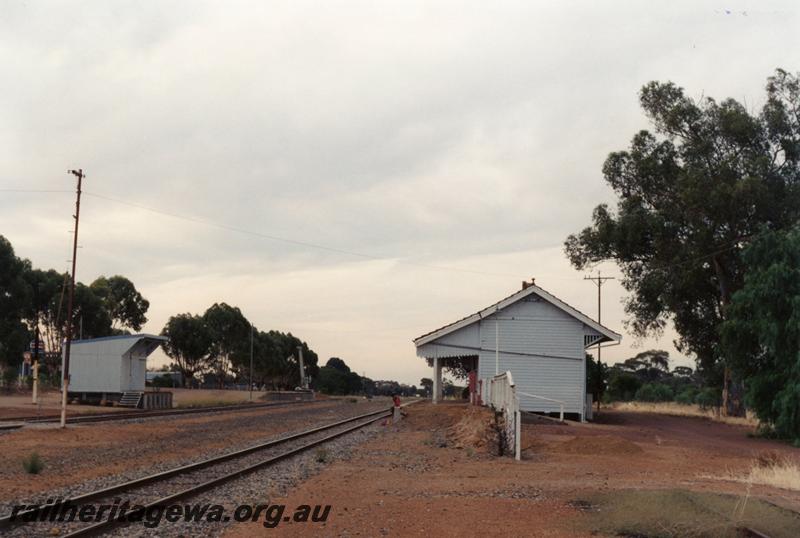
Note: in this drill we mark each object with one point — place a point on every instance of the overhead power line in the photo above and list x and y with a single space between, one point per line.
733 244
318 246
290 241
271 237
35 190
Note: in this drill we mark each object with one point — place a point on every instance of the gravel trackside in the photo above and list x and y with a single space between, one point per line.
88 457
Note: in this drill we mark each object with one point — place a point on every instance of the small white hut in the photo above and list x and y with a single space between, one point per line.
112 368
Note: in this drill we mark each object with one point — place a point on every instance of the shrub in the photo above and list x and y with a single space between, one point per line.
9 377
321 455
33 464
686 397
623 386
708 398
654 392
163 381
646 393
664 393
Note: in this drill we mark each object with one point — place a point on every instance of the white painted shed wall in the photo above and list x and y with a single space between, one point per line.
107 366
542 341
542 347
469 337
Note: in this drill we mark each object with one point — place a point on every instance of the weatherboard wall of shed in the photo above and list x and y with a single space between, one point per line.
463 342
558 379
104 366
542 347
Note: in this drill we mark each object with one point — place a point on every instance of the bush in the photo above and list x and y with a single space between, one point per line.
33 464
654 392
9 377
646 393
162 381
708 398
623 386
664 393
686 397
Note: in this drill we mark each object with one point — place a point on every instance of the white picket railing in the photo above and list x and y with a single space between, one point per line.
503 398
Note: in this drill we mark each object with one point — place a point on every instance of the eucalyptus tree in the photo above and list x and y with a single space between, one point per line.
230 334
189 344
761 335
14 298
690 197
122 301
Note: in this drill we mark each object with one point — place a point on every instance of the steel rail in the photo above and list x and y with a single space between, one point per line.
130 415
7 521
210 484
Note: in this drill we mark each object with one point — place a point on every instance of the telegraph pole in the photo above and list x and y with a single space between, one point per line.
599 280
251 361
302 367
35 394
65 384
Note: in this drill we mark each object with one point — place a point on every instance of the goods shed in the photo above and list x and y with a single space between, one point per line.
113 369
536 336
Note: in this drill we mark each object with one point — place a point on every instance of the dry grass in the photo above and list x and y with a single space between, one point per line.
474 430
195 397
206 402
769 469
676 409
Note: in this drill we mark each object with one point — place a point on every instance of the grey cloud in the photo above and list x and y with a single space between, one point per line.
450 133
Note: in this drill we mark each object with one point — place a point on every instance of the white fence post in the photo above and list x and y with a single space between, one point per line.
503 398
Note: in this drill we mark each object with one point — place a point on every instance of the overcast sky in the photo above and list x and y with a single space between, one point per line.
452 146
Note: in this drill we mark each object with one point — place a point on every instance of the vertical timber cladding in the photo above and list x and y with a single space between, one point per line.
542 346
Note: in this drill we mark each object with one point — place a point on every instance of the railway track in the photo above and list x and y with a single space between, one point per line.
128 415
167 487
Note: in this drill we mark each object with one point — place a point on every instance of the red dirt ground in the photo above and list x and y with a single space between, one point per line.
403 483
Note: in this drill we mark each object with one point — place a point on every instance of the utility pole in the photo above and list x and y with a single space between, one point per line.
599 280
496 346
35 395
65 384
303 383
251 362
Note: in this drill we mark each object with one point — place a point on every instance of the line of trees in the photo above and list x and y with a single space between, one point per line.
647 377
337 378
30 296
216 346
705 203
